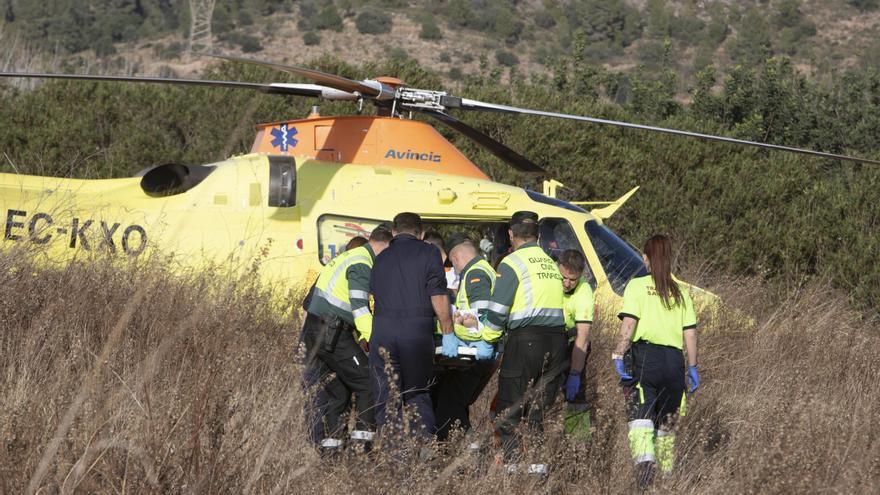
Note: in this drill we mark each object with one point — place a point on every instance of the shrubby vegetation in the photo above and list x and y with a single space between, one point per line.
781 216
131 377
373 22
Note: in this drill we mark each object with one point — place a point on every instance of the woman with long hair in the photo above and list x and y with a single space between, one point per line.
657 323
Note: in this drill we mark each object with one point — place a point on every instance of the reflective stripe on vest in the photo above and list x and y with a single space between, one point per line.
332 285
539 296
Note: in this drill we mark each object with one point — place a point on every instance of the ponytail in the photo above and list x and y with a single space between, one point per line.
658 249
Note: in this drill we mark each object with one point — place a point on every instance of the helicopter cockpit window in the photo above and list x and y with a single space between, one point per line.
619 259
555 235
334 232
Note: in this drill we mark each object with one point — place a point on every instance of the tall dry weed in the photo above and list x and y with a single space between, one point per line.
127 379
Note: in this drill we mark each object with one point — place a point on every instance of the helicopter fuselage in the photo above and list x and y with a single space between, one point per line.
290 205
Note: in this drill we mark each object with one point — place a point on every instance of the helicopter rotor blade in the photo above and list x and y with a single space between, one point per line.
367 88
312 90
468 104
491 145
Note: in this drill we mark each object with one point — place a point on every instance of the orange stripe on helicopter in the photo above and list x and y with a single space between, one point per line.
366 140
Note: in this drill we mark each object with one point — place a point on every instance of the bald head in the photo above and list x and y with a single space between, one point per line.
462 254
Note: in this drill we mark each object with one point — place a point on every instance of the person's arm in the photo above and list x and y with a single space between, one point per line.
689 326
436 285
583 323
627 327
359 296
690 346
581 343
502 297
441 309
629 316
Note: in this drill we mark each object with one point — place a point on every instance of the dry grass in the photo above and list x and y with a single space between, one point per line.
124 379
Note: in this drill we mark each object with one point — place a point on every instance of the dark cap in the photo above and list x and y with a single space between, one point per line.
457 239
523 216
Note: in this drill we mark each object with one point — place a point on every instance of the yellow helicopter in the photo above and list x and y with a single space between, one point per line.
308 186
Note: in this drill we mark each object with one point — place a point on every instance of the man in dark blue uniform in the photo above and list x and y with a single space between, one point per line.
409 288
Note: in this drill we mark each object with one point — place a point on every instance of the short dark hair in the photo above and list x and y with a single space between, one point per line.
355 242
434 237
573 260
407 222
381 234
525 230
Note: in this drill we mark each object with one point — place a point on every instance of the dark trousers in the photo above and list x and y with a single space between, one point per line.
454 392
409 346
339 369
529 380
657 390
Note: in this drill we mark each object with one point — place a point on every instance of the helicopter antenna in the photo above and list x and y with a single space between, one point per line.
201 12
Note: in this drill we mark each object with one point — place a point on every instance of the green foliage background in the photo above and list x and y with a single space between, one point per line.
782 216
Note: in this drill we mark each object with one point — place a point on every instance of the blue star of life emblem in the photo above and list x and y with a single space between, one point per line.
284 137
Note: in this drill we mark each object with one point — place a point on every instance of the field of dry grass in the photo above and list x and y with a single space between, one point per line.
128 380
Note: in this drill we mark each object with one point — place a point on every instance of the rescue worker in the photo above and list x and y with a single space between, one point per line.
657 321
527 303
578 311
457 388
409 288
338 316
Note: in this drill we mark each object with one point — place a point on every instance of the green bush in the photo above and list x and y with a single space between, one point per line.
864 5
327 18
544 19
248 43
373 22
506 58
430 30
311 38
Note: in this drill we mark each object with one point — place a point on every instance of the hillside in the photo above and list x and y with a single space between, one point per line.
451 37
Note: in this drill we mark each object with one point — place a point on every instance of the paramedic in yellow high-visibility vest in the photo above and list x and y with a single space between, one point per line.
338 323
457 388
527 306
657 322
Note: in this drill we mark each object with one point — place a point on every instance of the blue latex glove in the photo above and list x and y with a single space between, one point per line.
693 379
450 345
618 367
572 385
485 350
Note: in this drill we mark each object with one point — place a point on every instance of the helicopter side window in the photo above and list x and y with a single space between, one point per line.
334 232
555 235
619 259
